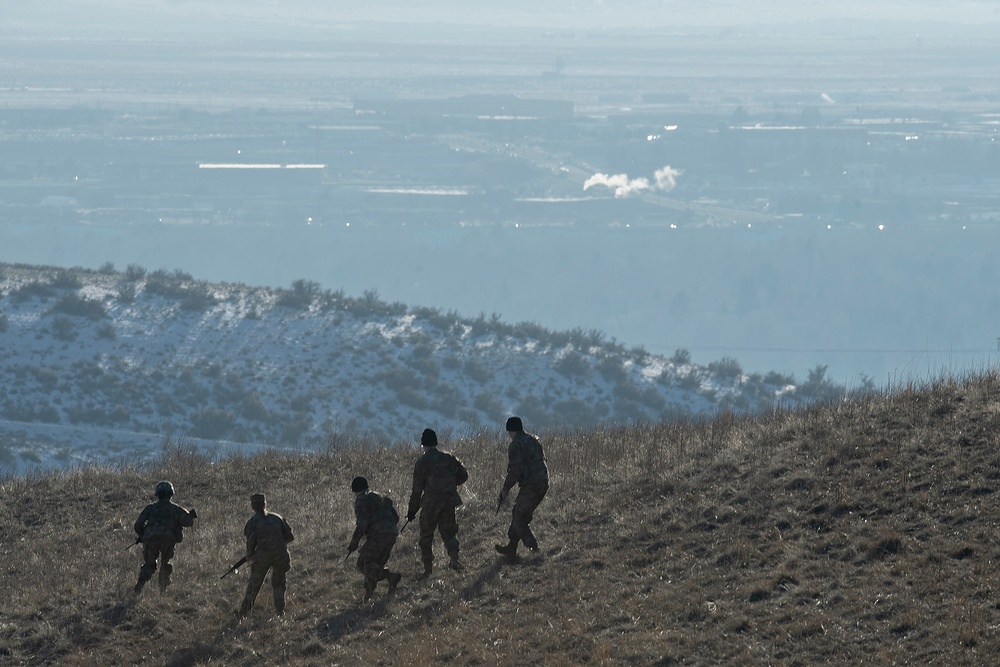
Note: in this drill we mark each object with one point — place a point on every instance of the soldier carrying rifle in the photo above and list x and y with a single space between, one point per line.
268 535
160 527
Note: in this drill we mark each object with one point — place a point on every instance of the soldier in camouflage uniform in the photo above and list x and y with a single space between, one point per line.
436 477
268 535
377 522
159 527
526 468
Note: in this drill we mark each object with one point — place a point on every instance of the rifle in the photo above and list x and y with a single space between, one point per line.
404 526
138 540
234 568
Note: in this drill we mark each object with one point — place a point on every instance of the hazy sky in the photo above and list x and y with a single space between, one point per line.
109 16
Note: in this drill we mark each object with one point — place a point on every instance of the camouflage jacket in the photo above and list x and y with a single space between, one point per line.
436 478
374 514
525 461
268 534
163 520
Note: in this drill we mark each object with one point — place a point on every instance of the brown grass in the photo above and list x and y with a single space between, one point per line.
858 533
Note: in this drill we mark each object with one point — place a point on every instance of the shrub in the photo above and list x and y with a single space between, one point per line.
572 364
75 305
477 371
198 299
32 290
726 368
134 272
681 356
212 423
301 295
65 279
126 292
63 329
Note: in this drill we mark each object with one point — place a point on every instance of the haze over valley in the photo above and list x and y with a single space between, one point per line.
783 186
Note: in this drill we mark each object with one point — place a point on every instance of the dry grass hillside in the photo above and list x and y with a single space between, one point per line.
863 532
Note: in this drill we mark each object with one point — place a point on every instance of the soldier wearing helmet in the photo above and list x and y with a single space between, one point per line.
268 535
160 527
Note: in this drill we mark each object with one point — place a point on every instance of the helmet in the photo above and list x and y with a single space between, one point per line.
164 489
359 484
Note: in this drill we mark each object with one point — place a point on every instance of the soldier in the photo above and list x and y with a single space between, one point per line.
268 535
159 527
436 477
526 468
377 522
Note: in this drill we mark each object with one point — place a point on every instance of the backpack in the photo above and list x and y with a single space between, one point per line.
162 524
443 475
382 511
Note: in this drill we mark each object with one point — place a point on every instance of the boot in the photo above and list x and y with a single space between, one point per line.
164 578
456 564
394 578
428 569
369 589
509 552
143 578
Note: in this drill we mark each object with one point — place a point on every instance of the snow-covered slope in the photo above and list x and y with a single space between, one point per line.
111 366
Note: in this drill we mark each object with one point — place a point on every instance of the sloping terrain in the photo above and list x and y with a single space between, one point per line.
857 532
105 365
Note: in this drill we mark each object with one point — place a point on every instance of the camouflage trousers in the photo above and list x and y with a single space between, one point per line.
279 565
373 556
439 516
529 496
154 549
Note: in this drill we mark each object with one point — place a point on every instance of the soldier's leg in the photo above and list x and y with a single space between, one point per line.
150 552
369 566
166 553
528 499
448 527
278 573
428 524
258 571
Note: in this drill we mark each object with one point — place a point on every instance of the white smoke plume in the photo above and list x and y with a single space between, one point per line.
664 180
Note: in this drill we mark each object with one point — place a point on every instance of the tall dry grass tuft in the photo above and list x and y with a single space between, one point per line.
861 531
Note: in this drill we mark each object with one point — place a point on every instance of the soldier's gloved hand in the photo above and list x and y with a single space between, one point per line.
411 517
194 513
503 495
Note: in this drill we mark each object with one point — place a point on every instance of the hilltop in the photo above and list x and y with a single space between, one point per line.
106 365
855 532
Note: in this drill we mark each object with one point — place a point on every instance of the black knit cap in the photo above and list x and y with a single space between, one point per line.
514 424
429 438
359 484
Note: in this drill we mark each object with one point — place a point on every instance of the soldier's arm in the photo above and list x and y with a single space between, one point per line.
515 462
419 480
185 517
140 523
250 530
363 517
461 475
286 531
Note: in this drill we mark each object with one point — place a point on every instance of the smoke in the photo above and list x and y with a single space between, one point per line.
664 180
